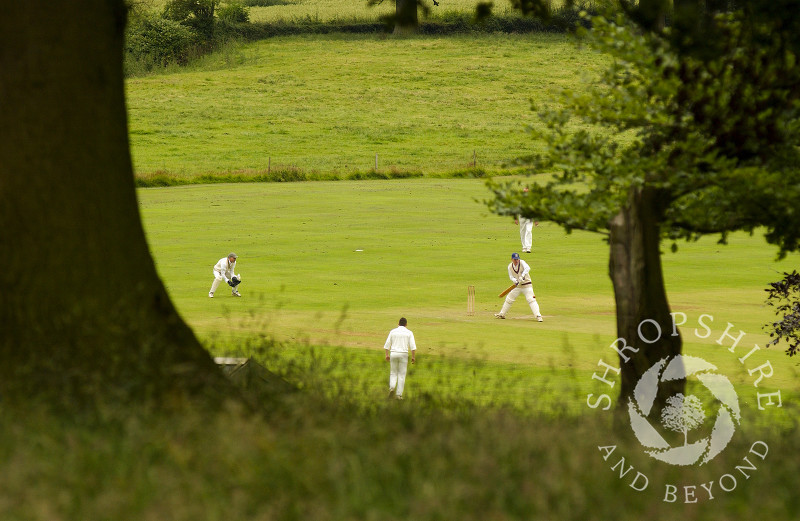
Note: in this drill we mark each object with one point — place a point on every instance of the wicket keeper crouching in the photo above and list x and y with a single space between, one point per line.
224 270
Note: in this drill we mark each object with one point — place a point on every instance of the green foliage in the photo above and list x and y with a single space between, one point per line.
233 12
383 175
715 138
266 3
784 297
561 20
152 41
197 14
281 175
182 10
537 8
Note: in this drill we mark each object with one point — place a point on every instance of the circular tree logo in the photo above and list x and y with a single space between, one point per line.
683 414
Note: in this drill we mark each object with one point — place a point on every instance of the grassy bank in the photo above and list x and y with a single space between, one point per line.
328 105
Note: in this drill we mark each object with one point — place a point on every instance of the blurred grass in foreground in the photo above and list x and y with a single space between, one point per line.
314 455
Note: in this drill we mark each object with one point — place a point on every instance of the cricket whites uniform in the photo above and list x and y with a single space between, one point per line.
399 342
520 275
223 270
526 233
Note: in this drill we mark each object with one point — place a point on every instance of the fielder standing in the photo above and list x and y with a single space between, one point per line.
519 273
526 229
225 270
397 346
526 232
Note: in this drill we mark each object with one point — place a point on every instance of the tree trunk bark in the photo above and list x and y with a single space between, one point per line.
406 17
84 314
641 300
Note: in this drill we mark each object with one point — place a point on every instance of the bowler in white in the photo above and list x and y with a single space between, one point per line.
397 347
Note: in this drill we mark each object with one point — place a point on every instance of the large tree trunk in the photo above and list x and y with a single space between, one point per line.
406 17
635 270
84 314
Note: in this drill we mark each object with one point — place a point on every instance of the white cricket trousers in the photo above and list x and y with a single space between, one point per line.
398 364
217 279
526 233
526 290
215 284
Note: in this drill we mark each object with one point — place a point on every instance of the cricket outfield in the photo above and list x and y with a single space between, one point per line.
335 264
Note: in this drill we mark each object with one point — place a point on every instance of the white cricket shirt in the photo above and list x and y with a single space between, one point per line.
400 340
521 271
223 269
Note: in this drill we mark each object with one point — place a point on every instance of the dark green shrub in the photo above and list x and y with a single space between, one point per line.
151 41
266 3
196 14
234 12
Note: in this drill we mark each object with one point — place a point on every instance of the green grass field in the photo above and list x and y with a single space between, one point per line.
331 103
335 264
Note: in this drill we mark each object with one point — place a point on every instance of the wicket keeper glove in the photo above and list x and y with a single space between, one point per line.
230 283
235 282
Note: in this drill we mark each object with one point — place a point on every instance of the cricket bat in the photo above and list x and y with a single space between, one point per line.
507 291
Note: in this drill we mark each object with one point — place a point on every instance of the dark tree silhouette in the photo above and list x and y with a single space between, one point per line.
84 314
784 296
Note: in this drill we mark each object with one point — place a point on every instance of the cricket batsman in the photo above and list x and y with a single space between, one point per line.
225 270
519 273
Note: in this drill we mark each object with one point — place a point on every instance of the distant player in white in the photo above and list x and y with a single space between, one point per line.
519 273
225 270
397 346
526 232
526 229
